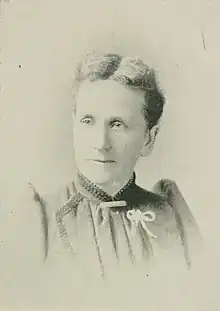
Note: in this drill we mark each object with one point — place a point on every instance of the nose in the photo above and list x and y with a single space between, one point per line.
101 139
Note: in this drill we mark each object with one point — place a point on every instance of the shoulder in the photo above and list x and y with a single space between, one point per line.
160 191
167 200
173 215
45 204
142 196
172 194
52 197
165 195
48 202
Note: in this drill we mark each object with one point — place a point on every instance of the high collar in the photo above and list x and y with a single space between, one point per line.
93 190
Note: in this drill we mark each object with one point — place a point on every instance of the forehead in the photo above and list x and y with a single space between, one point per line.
107 97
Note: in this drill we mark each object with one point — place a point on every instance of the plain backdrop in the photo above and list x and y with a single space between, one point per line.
41 41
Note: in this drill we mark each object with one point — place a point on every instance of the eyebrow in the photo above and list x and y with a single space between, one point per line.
116 118
112 118
87 116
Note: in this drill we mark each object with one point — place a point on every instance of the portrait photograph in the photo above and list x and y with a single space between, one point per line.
109 155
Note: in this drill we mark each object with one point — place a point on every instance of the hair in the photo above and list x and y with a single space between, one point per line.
129 71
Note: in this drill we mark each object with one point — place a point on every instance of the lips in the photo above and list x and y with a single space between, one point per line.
102 161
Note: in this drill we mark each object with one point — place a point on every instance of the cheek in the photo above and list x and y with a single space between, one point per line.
79 141
85 134
80 134
129 145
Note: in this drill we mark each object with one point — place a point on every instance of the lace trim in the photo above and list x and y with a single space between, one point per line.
100 194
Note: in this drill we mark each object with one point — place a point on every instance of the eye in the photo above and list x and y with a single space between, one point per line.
118 125
87 120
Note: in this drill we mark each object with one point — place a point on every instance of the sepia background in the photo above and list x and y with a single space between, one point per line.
41 41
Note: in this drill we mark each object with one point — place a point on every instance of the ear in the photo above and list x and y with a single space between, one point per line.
150 138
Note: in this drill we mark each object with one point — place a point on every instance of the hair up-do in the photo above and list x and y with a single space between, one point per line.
129 71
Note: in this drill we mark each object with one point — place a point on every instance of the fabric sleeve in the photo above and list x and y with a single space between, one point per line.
186 223
48 207
21 243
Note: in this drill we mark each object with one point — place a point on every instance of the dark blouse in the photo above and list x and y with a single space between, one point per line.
104 235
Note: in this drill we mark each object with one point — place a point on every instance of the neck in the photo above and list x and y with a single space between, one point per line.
111 188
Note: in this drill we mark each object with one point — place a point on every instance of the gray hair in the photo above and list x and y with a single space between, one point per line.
129 71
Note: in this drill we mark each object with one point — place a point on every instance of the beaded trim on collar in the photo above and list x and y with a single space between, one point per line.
100 194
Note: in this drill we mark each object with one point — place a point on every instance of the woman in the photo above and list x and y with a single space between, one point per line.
106 219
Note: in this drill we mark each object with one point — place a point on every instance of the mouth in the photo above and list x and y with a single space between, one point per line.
103 161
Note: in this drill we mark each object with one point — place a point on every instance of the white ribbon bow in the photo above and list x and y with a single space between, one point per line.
136 216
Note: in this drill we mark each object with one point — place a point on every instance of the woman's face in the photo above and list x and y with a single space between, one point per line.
109 130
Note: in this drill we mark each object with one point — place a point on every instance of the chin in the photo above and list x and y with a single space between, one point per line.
99 178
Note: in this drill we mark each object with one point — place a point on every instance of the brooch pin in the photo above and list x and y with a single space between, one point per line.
112 204
136 216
